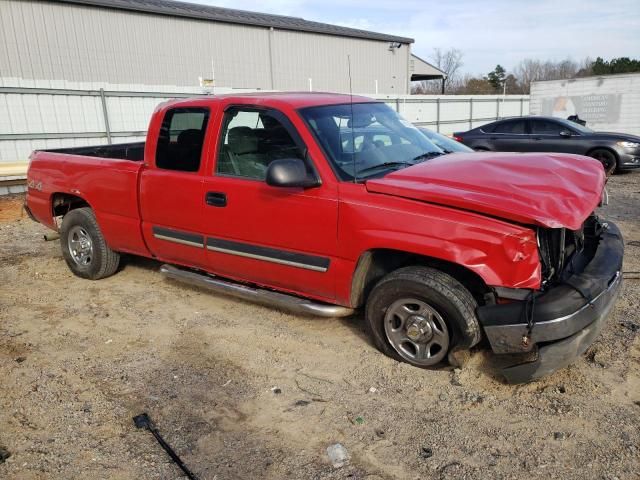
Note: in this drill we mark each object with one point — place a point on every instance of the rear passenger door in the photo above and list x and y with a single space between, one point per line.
275 236
171 187
510 136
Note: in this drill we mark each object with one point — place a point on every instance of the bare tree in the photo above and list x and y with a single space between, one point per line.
531 70
512 85
585 67
427 87
517 81
450 62
566 69
527 71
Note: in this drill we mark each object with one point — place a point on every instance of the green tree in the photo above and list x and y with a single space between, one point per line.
496 77
615 65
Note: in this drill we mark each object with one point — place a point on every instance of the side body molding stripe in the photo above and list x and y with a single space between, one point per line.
191 239
267 254
284 257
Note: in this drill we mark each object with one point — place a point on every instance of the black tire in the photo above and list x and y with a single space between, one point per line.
443 293
608 159
101 262
480 149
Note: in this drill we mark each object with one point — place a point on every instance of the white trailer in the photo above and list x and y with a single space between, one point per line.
606 103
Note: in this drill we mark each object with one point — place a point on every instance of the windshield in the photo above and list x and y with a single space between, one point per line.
372 142
447 144
574 125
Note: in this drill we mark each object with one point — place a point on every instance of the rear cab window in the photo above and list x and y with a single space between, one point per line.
181 138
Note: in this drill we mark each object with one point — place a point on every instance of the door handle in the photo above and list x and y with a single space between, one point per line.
216 199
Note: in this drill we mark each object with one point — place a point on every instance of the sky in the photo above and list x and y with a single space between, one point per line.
487 32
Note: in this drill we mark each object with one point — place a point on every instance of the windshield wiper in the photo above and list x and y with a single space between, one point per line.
428 155
384 165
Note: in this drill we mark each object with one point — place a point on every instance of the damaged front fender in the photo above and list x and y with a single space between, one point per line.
500 253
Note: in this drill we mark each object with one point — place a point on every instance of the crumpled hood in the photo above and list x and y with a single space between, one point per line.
547 189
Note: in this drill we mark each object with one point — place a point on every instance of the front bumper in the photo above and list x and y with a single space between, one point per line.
567 318
628 161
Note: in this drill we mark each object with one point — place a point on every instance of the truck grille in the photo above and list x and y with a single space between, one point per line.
564 252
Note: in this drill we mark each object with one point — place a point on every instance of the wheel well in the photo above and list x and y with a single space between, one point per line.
611 150
375 264
63 203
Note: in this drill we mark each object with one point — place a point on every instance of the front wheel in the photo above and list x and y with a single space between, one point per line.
420 315
84 248
607 158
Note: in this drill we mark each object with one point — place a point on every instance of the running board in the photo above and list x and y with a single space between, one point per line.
259 295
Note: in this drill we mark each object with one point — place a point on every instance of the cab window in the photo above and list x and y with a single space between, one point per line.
181 138
251 139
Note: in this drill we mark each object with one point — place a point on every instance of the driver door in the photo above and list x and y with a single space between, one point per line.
274 236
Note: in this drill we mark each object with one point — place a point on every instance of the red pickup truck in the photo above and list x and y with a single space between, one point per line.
326 203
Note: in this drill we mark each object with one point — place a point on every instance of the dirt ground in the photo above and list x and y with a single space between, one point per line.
78 359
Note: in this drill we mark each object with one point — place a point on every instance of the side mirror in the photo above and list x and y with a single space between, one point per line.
565 133
290 172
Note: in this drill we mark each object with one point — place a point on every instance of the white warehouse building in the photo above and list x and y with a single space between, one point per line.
159 42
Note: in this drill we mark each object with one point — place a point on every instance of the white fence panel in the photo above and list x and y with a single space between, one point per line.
455 111
452 113
131 113
417 113
45 115
485 110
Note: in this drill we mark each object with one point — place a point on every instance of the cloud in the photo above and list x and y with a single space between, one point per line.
498 31
505 32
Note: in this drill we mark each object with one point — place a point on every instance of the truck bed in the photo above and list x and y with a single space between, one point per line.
122 151
105 177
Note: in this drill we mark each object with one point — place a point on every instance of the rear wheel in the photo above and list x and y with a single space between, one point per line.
84 248
607 158
421 316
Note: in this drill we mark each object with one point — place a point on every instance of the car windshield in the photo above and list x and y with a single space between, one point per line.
574 125
449 145
372 141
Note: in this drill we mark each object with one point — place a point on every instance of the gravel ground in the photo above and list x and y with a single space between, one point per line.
78 359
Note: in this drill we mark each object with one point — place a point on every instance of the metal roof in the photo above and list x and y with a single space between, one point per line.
243 17
423 70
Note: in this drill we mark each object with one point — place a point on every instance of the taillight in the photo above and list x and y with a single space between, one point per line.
457 139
